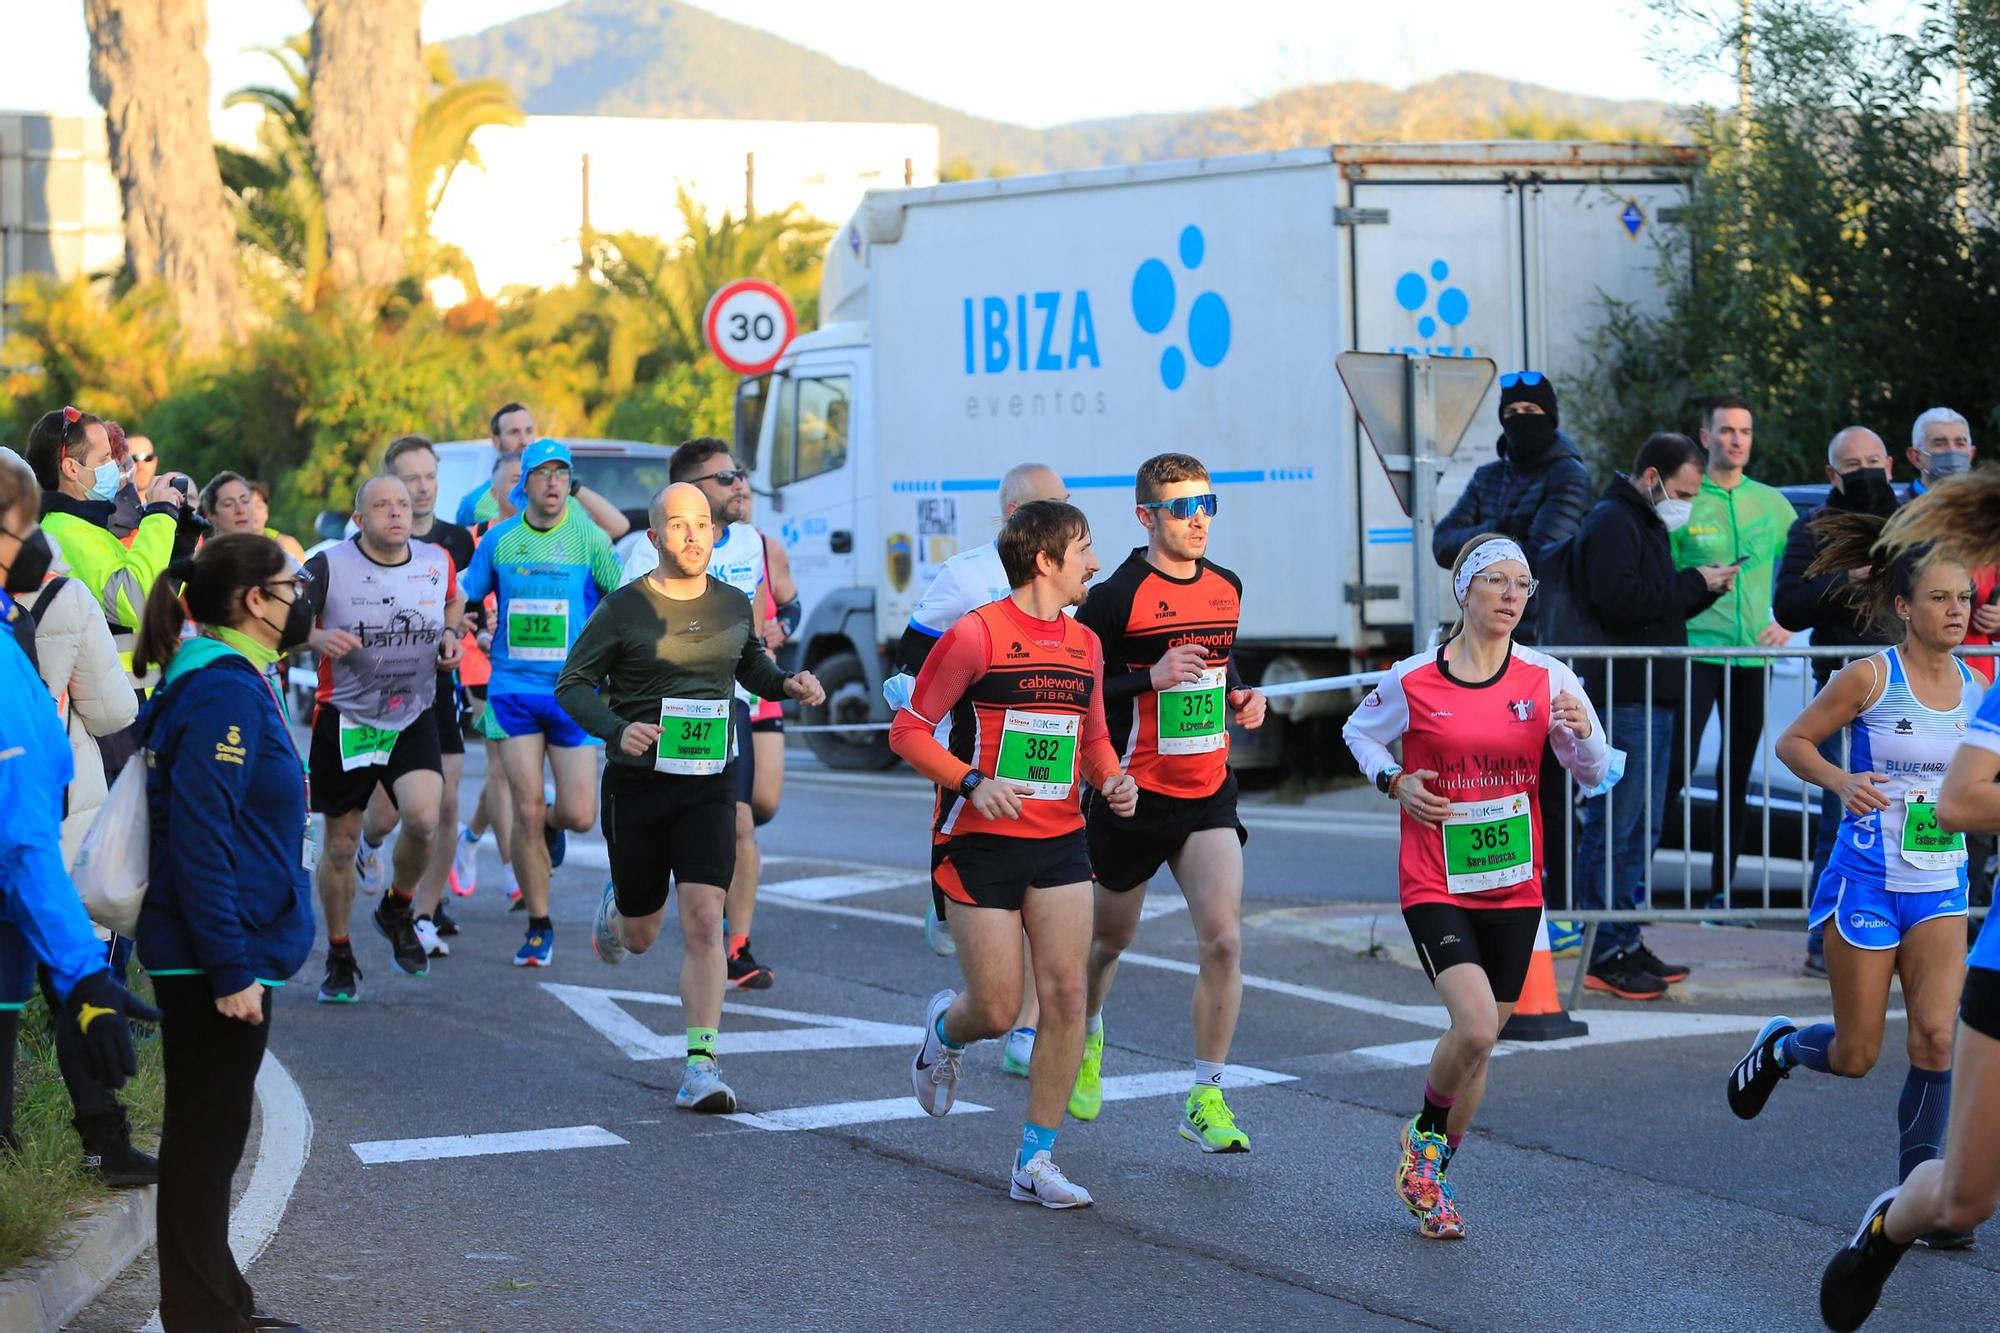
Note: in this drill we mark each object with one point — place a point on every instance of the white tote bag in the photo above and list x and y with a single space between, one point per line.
115 861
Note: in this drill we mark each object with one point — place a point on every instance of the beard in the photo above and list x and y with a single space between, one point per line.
686 562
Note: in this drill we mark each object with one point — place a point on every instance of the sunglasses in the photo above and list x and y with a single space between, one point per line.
144 458
1184 507
70 416
726 478
1529 378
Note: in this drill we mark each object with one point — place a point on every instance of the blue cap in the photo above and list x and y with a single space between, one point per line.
535 455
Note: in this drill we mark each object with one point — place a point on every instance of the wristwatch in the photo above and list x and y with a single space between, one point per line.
1386 777
972 779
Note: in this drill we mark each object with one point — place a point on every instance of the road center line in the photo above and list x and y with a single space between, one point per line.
381 1151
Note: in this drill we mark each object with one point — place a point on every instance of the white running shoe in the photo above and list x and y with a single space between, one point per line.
1042 1181
703 1090
934 1068
1017 1051
371 868
937 933
465 863
427 935
604 937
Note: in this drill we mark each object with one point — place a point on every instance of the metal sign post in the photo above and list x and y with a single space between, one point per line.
1424 468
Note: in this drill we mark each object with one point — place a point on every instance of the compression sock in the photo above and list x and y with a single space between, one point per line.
1208 1073
950 1045
540 923
1034 1138
701 1044
1920 1116
1437 1108
1093 1025
1808 1047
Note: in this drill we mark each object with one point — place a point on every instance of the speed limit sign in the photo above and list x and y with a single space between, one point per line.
747 324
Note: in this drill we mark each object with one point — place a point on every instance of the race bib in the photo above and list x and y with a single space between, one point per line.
363 746
1925 845
538 629
1038 752
694 737
1489 844
1193 718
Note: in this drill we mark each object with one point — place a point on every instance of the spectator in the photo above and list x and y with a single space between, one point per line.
1627 593
1857 470
139 464
1536 492
1742 522
226 916
228 503
260 508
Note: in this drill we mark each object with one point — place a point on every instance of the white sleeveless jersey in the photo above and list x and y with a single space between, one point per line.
1912 746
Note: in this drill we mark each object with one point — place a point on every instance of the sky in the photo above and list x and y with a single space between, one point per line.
1050 61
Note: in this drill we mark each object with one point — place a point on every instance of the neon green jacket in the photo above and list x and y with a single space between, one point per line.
118 576
1750 521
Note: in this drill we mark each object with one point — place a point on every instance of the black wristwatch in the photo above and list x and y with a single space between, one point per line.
1385 777
973 777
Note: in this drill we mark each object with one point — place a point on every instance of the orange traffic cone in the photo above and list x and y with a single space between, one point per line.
1539 1014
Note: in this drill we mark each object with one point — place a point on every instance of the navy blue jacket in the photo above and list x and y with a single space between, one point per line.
1538 506
230 891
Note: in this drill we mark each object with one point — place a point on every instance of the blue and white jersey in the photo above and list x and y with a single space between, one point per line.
1985 733
1901 849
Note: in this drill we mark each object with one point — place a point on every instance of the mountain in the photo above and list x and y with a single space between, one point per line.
663 58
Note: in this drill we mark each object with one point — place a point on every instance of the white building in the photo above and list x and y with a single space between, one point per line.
59 206
519 219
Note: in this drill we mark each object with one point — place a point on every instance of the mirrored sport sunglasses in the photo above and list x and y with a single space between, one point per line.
1184 507
1528 377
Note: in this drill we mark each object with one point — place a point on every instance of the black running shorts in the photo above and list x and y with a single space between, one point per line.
1498 939
992 870
1979 1002
667 826
745 765
451 737
1125 853
337 793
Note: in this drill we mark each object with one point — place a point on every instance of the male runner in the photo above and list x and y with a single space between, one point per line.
651 677
495 807
738 560
1023 685
1167 618
779 601
967 580
511 430
386 610
550 566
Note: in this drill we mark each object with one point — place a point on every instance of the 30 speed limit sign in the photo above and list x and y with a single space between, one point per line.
747 324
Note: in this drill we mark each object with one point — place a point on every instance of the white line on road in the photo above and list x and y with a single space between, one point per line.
382 1151
604 1011
819 888
1174 1082
833 1114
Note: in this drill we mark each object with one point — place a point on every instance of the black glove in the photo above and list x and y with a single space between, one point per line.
98 1007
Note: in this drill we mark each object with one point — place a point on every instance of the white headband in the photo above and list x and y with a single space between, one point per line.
1483 556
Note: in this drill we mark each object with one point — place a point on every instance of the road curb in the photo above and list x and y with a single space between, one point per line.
44 1294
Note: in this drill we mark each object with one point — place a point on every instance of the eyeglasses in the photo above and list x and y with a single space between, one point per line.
144 458
727 478
1183 507
1529 378
1499 583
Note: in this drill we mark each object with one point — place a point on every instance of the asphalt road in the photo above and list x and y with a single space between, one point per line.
1606 1186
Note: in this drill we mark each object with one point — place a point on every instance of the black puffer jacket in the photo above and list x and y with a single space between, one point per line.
1820 605
1538 503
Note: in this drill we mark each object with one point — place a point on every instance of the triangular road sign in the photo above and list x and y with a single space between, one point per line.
1378 384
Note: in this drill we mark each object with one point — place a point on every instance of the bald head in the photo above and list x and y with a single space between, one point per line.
683 530
382 512
1030 481
1856 447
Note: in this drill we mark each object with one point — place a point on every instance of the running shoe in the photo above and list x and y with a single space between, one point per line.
465 863
746 973
447 925
1648 961
1042 1181
537 950
1443 1221
1565 939
558 844
1758 1072
371 868
274 1322
934 1068
515 902
937 933
1209 1124
427 935
1853 1282
392 918
1618 975
1944 1238
1017 1051
1086 1098
703 1091
605 940
1419 1167
343 978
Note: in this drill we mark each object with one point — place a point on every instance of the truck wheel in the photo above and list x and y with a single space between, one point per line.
847 701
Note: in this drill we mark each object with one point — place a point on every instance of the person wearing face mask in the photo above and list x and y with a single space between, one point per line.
1627 593
227 916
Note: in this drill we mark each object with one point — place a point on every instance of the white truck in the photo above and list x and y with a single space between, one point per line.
1090 319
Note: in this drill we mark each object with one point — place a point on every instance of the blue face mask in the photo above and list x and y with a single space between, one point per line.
104 484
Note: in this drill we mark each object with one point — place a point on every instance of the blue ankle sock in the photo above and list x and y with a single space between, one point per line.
1034 1138
1921 1113
949 1043
1808 1047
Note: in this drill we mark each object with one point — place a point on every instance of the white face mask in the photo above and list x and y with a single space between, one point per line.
1673 512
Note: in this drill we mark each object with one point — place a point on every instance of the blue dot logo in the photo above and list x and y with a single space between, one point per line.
1156 300
1436 305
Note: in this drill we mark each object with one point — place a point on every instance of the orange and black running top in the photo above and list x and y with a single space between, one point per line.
1173 742
1026 702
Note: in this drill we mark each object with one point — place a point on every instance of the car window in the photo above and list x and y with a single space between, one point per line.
821 426
627 482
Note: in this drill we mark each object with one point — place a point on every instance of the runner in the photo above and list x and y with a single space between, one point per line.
780 603
1893 896
738 560
1023 685
495 807
1167 619
385 612
650 676
512 430
1478 711
549 566
972 579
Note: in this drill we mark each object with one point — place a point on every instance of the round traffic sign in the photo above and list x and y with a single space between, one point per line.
747 325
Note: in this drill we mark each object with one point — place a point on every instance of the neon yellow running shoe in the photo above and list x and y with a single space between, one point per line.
1086 1099
1209 1124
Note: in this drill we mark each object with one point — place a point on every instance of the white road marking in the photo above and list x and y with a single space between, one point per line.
604 1011
819 888
1176 1082
382 1151
831 1114
1608 1027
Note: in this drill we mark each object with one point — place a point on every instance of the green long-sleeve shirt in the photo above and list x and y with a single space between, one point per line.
1749 520
641 646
